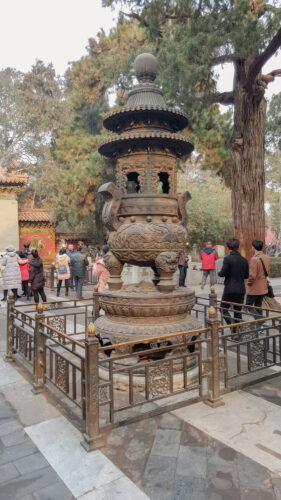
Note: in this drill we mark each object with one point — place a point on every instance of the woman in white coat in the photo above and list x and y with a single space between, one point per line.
11 272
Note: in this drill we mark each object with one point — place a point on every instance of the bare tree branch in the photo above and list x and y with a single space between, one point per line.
261 59
271 76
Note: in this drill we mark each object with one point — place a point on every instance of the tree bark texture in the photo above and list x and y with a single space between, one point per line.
247 160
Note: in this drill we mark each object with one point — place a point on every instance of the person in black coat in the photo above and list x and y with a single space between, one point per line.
235 270
36 277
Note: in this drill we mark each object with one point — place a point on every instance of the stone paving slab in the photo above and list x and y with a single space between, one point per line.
24 472
204 468
248 424
80 471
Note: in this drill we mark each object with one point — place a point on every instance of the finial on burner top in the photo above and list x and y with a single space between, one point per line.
145 67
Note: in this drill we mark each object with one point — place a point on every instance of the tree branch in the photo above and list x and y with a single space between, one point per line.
223 59
133 15
271 8
225 98
271 76
181 16
261 59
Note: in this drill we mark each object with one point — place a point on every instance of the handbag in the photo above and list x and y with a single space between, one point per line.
270 292
62 269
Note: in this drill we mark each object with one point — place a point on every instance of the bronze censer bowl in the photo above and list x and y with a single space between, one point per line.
144 214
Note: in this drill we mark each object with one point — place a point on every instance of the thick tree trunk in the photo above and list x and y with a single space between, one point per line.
247 159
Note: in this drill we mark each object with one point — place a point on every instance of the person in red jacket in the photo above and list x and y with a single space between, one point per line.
208 256
24 269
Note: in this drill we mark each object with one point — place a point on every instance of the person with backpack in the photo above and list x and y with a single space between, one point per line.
257 285
63 261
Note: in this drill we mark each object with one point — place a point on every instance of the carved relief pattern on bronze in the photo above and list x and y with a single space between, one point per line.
57 322
61 371
159 379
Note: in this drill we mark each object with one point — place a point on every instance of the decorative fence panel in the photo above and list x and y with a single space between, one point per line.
173 365
64 363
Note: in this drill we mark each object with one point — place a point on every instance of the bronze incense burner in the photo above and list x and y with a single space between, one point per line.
145 216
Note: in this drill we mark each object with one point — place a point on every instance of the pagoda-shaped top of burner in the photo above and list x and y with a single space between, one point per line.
146 120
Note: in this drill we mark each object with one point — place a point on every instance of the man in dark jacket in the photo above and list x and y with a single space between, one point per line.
70 252
235 270
79 263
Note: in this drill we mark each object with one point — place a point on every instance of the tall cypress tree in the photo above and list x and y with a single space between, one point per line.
194 36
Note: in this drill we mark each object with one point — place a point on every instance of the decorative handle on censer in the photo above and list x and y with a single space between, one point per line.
112 198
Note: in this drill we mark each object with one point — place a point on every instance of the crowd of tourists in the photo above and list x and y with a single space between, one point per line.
240 278
23 270
71 267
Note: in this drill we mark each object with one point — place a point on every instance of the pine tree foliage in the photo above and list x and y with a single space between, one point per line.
273 192
80 168
274 123
209 210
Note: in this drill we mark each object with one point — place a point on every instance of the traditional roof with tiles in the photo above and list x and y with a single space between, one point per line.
13 178
34 215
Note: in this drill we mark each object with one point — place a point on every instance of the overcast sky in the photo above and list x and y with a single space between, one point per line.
57 31
54 31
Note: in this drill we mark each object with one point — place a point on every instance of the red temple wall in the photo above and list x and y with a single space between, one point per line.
41 238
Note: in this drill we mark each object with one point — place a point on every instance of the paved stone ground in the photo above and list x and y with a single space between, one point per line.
172 460
24 472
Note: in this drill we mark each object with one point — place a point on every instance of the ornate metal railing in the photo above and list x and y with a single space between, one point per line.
22 338
63 359
253 346
172 365
127 381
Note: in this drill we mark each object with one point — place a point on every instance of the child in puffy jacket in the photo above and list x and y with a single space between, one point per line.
100 270
24 269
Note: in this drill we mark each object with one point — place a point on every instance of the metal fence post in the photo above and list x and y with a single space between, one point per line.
52 284
92 437
214 399
39 354
213 297
96 306
10 327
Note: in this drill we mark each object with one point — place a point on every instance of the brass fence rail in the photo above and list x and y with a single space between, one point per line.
125 382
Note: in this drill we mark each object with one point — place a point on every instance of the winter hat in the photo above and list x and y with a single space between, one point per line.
10 248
